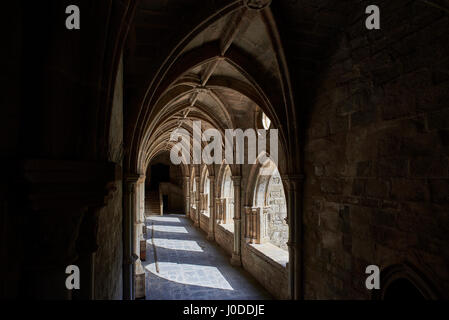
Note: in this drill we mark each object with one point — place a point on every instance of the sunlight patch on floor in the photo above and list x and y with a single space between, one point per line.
164 219
183 245
168 229
190 274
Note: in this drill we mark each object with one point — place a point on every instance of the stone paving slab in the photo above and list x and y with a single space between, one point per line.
190 267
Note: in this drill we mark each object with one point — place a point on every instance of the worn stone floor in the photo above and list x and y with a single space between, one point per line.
182 265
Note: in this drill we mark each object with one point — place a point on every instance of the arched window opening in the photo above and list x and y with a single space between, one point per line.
277 211
205 196
226 203
266 122
266 220
193 193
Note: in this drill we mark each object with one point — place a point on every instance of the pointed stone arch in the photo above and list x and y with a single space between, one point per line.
408 276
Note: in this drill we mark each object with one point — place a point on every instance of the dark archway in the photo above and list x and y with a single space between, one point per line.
404 282
402 289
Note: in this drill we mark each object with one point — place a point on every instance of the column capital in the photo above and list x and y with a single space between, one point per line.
132 178
130 183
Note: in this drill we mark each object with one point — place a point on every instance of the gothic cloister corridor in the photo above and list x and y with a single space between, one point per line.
189 267
224 149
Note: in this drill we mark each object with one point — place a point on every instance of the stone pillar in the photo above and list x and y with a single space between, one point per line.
202 207
139 290
128 230
249 238
218 217
191 209
236 259
212 219
138 221
187 207
143 242
161 202
187 195
197 198
134 273
295 247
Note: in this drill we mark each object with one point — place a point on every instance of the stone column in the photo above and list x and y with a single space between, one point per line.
217 210
139 290
187 194
161 201
143 241
138 217
212 219
236 259
197 197
295 247
248 225
143 216
202 207
128 230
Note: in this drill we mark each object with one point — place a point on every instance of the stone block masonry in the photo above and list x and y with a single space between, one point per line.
377 157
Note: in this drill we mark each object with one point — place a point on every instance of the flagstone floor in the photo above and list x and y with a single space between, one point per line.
182 265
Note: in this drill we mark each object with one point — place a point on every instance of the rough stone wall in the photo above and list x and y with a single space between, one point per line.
277 226
225 239
109 256
376 155
271 275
